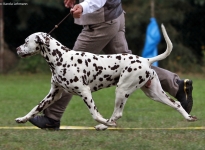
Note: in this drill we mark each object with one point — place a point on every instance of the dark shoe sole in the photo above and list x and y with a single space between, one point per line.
45 127
49 128
188 91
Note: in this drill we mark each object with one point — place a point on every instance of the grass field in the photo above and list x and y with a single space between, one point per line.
20 93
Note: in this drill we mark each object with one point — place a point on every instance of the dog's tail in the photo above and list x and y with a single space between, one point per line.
168 50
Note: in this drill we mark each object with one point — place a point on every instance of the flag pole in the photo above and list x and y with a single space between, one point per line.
152 8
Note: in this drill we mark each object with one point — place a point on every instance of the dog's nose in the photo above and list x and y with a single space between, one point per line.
18 49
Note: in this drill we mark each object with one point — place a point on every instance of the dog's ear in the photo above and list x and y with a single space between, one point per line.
39 40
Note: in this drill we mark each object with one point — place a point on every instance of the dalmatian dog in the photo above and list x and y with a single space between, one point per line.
81 73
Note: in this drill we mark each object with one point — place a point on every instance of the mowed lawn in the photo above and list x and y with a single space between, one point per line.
153 125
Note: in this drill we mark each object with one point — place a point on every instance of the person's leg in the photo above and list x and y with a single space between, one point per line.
118 44
53 114
56 110
180 89
94 38
168 80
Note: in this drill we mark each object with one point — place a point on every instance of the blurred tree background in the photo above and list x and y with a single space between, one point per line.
183 19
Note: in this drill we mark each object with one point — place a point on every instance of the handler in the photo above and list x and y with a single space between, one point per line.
104 30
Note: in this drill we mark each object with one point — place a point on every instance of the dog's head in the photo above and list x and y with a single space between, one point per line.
33 44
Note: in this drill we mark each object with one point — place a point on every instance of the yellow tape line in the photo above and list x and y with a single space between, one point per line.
92 128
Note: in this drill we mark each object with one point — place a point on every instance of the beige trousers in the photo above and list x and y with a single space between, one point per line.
107 37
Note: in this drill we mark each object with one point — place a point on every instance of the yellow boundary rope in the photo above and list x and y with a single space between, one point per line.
92 128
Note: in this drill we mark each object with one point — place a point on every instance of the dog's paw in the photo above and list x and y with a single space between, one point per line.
111 124
21 120
192 118
101 127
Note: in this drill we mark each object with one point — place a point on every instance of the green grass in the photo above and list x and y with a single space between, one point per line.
20 93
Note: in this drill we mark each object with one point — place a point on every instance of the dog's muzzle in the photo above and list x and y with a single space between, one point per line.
20 53
18 49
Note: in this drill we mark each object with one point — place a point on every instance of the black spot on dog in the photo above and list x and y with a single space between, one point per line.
64 71
57 44
76 79
84 80
95 88
95 57
141 79
127 95
101 79
139 61
118 57
71 80
82 54
132 62
59 64
121 105
115 67
86 63
130 57
147 74
80 61
129 69
87 104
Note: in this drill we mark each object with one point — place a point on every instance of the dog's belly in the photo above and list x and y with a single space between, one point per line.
103 82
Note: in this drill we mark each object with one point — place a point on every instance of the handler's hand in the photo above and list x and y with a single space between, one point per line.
77 11
69 3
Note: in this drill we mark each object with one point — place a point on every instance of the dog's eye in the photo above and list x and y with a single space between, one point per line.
26 42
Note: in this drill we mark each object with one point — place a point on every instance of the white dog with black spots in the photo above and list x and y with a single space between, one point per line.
81 73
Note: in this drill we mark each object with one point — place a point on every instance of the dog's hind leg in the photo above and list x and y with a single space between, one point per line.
155 92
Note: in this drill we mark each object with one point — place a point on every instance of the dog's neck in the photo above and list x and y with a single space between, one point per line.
53 52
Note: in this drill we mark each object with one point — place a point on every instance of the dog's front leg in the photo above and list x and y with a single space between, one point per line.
120 101
88 100
118 111
53 95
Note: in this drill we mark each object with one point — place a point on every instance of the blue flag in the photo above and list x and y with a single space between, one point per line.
153 38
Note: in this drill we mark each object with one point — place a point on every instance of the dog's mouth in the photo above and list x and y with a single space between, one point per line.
25 55
22 54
